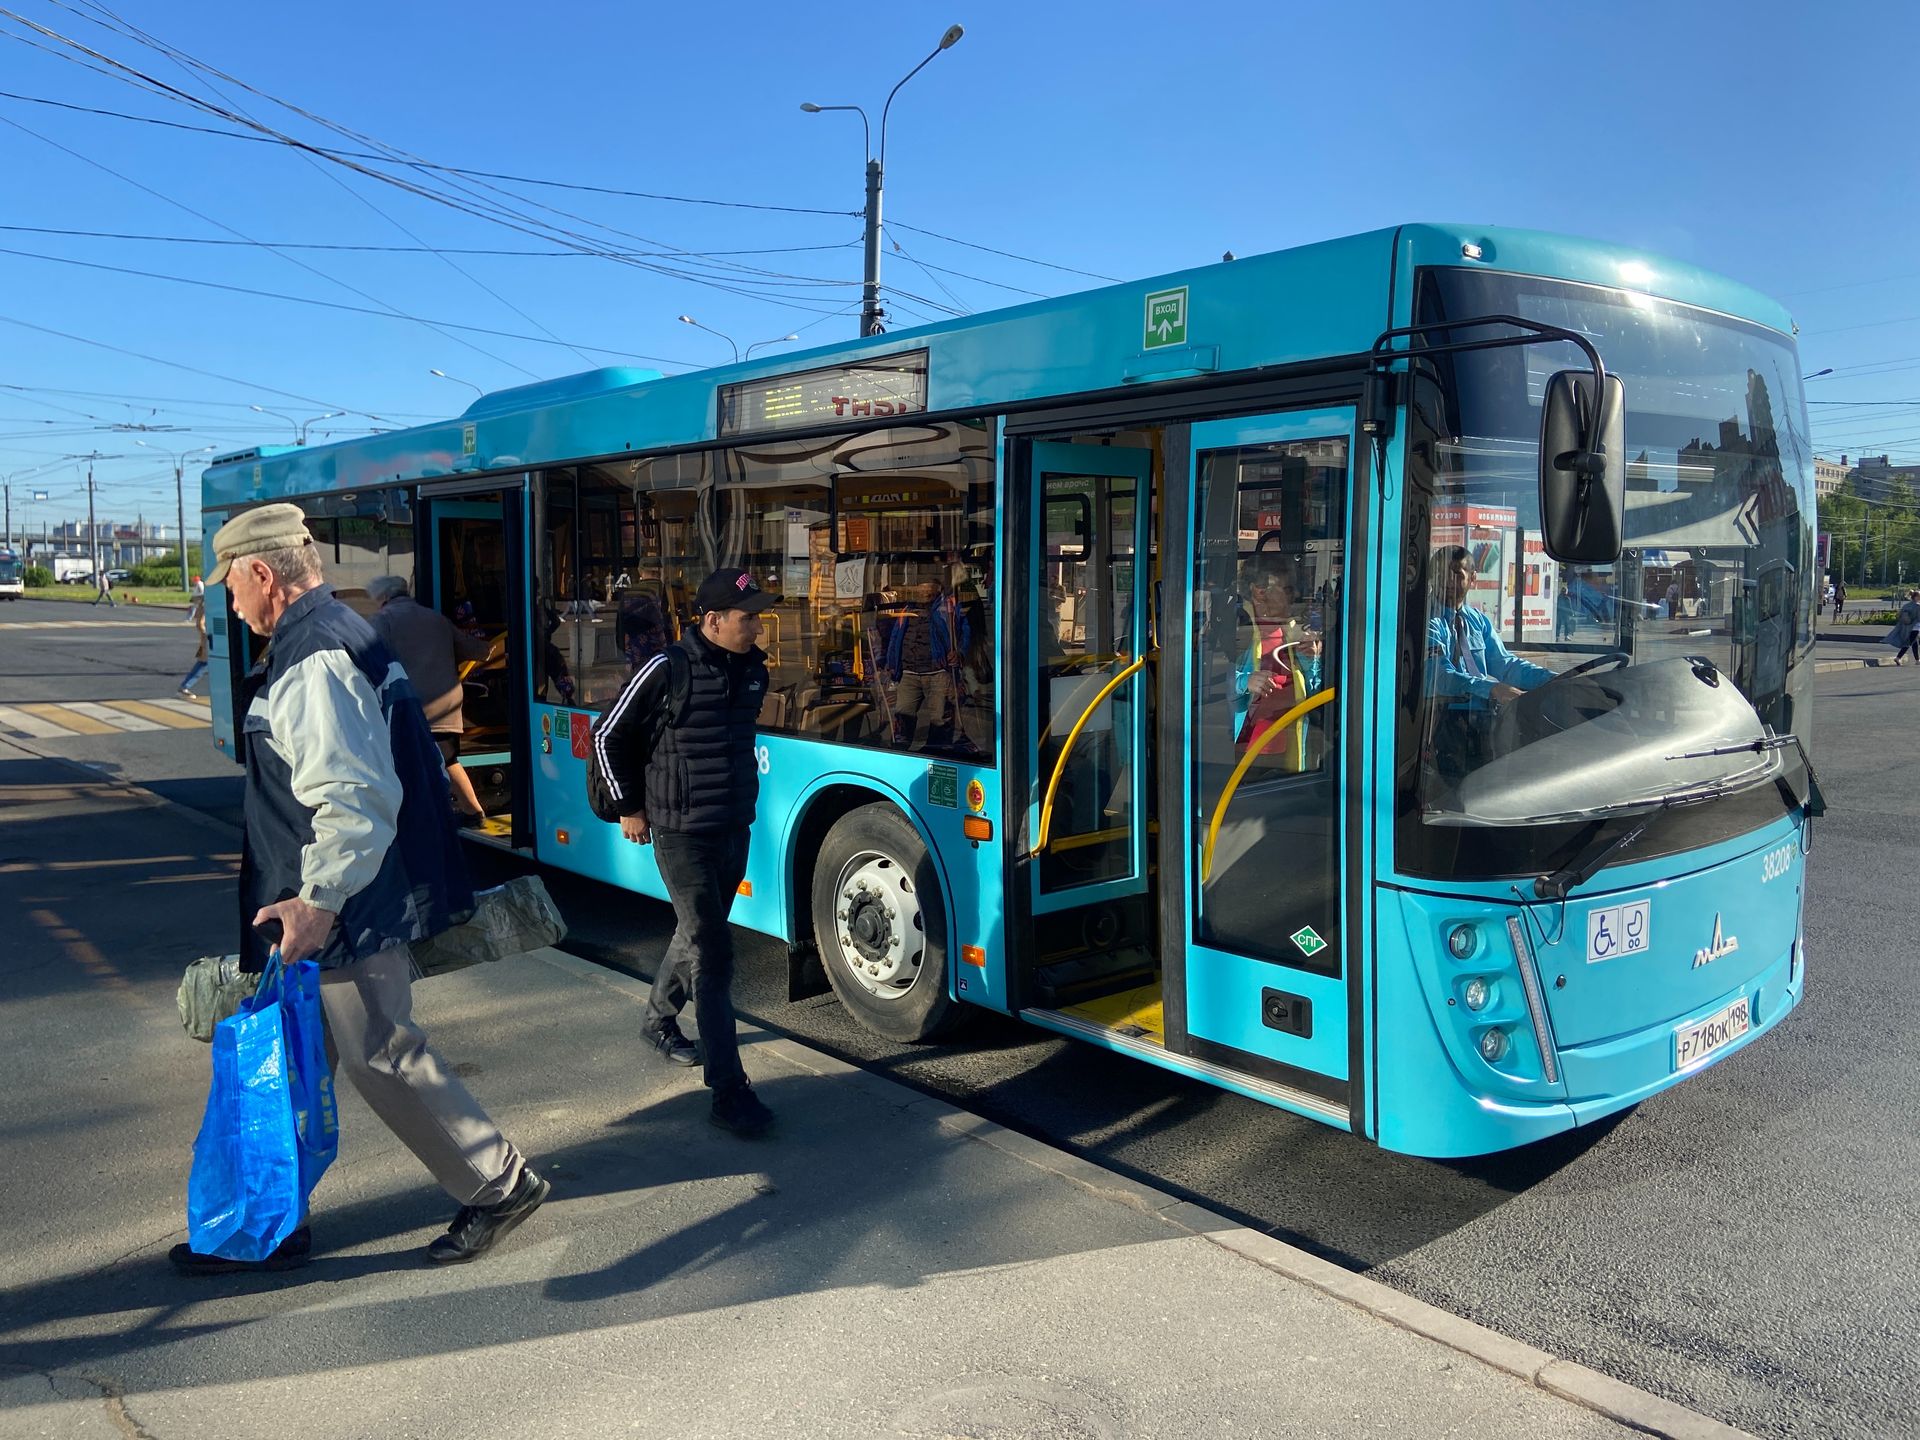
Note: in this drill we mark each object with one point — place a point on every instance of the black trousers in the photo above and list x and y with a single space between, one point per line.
703 873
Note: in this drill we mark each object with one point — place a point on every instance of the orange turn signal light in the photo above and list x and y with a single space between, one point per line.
746 888
563 837
977 827
973 955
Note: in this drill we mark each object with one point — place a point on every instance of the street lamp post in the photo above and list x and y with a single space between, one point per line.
870 312
299 426
458 381
1817 374
180 504
781 340
689 320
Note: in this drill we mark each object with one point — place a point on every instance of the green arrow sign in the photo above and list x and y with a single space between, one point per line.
1166 318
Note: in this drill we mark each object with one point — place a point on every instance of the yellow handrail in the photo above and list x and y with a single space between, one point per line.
1066 749
1266 736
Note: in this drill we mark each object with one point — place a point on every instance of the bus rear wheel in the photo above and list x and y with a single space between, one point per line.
880 921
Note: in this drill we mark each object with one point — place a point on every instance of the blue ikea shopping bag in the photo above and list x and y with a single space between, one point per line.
271 1128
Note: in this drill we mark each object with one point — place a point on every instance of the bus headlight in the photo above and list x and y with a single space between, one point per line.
1476 994
1493 1046
1462 941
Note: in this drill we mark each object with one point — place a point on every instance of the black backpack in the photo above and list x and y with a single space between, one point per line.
679 689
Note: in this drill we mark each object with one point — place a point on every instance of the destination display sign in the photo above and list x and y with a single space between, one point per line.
872 390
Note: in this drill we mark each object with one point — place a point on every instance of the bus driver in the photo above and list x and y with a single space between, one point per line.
1469 672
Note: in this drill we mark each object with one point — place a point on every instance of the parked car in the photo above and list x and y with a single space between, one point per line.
119 577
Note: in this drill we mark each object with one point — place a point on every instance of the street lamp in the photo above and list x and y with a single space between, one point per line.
458 381
299 426
1817 374
180 504
689 320
870 314
758 343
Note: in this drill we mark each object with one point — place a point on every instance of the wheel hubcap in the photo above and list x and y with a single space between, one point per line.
877 914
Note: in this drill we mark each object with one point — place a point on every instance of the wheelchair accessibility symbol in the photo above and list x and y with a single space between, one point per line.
1619 930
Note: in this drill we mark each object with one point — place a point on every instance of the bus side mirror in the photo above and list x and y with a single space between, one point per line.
1583 469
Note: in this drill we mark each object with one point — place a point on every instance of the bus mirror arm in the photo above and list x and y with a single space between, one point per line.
1582 455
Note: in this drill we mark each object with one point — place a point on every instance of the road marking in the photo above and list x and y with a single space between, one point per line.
44 721
163 713
199 709
91 624
119 719
19 722
70 722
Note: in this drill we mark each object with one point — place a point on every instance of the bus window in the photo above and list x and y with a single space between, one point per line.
880 547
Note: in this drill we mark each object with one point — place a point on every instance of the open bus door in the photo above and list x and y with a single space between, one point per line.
470 562
1269 967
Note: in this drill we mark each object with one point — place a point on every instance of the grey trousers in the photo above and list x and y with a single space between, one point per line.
371 1037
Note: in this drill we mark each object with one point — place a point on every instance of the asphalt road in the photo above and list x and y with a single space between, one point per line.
1745 1244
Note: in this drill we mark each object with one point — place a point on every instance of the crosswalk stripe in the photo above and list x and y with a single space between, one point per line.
21 723
119 719
165 714
198 709
69 722
92 625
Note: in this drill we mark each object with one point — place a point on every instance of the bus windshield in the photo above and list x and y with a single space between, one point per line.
9 570
1537 694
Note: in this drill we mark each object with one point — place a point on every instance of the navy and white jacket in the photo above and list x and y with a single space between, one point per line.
346 801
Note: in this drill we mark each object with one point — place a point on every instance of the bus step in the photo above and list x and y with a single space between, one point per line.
1087 977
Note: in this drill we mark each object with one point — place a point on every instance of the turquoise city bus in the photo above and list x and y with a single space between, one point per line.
1373 678
13 577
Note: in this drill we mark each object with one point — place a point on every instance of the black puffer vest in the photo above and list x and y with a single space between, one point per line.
703 777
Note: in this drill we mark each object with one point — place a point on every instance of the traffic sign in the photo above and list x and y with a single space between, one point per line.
1166 318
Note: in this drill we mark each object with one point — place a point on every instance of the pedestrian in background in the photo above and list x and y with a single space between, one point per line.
1905 635
1839 599
347 856
430 648
105 582
197 617
682 772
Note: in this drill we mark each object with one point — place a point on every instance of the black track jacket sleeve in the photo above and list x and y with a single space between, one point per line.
624 739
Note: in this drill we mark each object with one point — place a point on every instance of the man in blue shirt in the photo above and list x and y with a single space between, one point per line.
1465 660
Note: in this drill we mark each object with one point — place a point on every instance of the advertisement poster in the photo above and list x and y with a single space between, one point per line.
1513 577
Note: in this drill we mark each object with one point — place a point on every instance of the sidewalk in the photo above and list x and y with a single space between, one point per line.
882 1265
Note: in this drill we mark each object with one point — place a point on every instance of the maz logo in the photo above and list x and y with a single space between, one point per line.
1720 946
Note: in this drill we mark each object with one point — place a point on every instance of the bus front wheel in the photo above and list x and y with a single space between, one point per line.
881 924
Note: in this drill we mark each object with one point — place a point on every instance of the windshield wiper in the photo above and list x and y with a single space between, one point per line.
1815 803
1555 884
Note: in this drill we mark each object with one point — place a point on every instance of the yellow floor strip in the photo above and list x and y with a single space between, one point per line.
1130 1010
71 720
172 718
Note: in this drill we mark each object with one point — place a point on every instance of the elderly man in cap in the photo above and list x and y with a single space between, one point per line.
349 854
676 751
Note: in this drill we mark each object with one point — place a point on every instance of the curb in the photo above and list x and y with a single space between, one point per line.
1566 1379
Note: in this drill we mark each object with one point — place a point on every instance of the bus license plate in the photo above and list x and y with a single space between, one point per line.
1696 1042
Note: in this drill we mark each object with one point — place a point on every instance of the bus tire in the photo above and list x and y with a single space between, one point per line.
880 921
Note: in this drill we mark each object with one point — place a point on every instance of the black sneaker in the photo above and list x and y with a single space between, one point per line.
290 1254
668 1040
477 1227
738 1109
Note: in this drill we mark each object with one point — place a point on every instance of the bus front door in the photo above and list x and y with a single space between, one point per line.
1091 792
1262 989
470 543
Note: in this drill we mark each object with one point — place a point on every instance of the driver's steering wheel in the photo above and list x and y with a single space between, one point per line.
1548 708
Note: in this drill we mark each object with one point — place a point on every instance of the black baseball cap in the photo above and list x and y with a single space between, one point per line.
731 590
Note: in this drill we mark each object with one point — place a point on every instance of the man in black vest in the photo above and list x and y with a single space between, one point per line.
682 772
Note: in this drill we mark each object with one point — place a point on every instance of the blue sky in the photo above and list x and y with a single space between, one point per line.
1122 139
